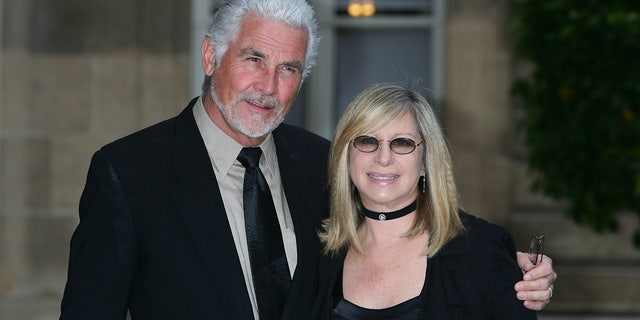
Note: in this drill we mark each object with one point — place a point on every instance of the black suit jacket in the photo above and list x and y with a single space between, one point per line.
153 235
471 277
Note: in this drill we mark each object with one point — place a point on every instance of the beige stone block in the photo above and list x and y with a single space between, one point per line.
35 298
70 160
467 167
165 87
84 26
20 112
462 126
34 258
593 288
30 308
496 191
62 84
484 182
117 90
478 75
13 251
48 244
466 50
25 173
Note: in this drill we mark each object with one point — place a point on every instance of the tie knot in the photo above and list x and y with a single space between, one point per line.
250 157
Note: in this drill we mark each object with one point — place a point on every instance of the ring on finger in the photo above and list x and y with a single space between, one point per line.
550 292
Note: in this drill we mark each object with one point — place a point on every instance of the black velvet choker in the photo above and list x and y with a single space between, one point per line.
382 216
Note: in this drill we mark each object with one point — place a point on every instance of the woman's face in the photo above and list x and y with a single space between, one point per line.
385 180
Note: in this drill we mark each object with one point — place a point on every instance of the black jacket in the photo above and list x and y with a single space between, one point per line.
471 277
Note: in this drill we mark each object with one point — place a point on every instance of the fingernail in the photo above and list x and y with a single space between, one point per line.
521 296
527 277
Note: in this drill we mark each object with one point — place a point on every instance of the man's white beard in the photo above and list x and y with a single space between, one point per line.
238 123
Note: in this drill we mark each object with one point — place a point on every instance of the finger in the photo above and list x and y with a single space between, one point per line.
540 284
537 280
535 295
523 261
542 270
535 305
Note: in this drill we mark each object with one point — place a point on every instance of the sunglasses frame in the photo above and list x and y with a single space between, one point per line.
415 145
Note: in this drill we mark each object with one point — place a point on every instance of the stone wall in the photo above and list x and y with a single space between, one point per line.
478 106
74 75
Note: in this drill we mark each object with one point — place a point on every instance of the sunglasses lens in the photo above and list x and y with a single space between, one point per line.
535 249
366 143
533 254
403 145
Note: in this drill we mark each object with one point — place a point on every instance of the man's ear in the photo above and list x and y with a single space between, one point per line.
208 56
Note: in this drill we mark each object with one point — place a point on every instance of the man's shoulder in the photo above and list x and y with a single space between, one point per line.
298 139
294 133
159 133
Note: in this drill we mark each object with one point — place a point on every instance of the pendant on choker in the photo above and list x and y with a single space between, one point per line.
382 216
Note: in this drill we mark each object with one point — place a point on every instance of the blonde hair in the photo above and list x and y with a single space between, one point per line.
437 209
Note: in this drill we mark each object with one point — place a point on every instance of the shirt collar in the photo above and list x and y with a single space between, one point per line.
215 139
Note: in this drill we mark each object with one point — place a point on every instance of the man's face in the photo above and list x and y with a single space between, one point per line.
257 79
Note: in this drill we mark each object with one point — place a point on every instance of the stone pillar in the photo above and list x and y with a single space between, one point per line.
477 107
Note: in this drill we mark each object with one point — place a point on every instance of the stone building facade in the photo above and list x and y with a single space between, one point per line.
75 75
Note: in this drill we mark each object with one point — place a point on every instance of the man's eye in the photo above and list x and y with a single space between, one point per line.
291 70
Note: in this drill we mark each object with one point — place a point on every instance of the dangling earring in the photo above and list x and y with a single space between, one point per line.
424 184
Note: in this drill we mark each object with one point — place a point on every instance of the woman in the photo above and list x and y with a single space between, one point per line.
396 245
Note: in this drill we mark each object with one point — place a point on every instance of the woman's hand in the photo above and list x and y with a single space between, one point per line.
536 288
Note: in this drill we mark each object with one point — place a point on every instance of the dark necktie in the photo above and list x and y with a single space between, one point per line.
269 266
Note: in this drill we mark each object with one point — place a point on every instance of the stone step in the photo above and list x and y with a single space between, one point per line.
586 316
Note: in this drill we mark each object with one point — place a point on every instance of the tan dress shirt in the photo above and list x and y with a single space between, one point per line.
229 173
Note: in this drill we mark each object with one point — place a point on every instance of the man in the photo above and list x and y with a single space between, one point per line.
162 229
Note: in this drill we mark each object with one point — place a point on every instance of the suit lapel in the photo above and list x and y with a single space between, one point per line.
198 200
295 181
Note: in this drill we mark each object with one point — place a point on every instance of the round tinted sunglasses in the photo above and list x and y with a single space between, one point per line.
368 144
